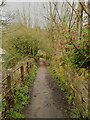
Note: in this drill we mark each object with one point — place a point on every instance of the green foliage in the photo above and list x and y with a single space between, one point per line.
26 45
69 98
62 84
20 100
78 50
41 54
14 114
3 105
23 42
75 49
21 97
19 46
80 57
31 76
52 72
75 113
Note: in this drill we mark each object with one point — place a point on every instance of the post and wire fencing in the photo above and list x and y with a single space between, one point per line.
14 78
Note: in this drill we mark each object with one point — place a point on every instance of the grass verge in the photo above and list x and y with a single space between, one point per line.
74 111
21 97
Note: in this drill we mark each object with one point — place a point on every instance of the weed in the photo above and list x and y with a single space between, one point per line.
75 113
21 97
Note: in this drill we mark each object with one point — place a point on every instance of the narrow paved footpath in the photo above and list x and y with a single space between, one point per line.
46 100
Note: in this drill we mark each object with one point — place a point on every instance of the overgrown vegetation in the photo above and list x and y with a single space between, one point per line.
70 51
65 42
20 45
74 111
21 97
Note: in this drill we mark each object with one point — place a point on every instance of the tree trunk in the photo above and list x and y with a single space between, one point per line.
80 15
89 18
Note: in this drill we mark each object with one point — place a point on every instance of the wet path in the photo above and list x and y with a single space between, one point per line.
46 100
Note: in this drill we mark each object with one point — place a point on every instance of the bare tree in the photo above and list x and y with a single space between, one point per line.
2 3
79 20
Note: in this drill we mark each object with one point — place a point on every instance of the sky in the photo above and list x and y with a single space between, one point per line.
36 10
42 0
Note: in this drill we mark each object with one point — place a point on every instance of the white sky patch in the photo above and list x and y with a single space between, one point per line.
43 0
36 9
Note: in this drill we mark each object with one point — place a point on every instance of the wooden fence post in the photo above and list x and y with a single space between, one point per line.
22 72
8 96
28 67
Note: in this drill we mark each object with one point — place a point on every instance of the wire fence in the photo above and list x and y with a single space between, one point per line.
14 78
